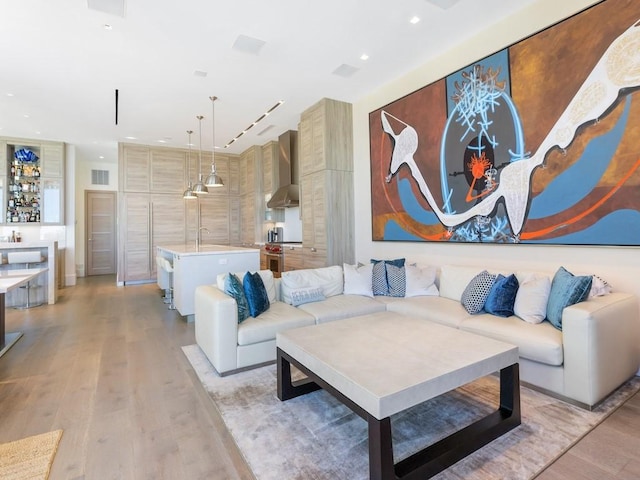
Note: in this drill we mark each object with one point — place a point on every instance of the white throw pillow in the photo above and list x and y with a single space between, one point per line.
599 287
330 279
420 281
358 280
531 299
267 279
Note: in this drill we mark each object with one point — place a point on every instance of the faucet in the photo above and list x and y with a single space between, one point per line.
199 236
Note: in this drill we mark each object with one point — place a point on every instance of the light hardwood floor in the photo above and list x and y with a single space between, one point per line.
105 365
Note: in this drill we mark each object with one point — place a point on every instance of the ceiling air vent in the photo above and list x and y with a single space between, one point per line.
99 177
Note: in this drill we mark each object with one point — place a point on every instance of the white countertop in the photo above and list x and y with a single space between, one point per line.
36 244
190 249
10 279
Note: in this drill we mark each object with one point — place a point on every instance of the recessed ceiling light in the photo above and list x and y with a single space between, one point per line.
108 27
38 132
101 157
162 141
364 56
131 138
414 19
9 94
26 115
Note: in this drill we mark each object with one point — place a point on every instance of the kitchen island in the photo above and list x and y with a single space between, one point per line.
194 266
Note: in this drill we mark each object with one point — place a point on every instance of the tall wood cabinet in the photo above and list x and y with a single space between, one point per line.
250 193
153 212
326 184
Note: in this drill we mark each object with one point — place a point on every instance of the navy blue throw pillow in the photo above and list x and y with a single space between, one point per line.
256 293
502 296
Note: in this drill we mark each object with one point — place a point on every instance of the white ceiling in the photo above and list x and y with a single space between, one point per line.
60 66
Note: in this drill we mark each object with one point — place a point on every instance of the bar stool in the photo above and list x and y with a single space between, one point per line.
27 257
162 279
166 266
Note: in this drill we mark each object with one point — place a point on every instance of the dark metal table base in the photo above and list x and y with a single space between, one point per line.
432 459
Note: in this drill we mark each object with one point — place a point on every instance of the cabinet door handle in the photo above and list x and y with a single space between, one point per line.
149 232
313 249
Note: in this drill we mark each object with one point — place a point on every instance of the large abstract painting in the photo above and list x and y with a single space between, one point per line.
537 143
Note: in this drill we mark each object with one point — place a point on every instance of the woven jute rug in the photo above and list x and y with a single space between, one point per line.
29 458
316 437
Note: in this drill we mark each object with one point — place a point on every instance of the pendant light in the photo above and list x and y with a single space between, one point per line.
188 193
213 180
199 188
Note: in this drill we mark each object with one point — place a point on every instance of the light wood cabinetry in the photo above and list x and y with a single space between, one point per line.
326 184
250 193
134 168
149 220
167 171
293 258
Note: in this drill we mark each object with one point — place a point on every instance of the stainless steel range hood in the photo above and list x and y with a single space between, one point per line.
287 193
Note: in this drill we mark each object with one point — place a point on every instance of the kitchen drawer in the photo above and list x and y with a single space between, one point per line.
314 257
293 258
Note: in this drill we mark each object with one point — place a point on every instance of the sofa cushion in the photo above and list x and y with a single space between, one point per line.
330 279
502 296
256 294
538 342
278 318
566 289
342 306
420 281
267 280
357 280
477 291
454 279
435 309
233 287
531 299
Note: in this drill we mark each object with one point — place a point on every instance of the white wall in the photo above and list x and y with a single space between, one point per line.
82 182
619 266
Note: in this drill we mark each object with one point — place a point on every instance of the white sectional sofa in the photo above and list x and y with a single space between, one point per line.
596 351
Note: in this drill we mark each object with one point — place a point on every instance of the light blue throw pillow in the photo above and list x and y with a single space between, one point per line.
233 287
300 296
256 293
566 289
502 296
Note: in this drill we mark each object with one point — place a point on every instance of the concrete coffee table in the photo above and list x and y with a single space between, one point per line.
381 364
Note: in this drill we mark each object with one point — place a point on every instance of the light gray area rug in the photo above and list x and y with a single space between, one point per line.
316 437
